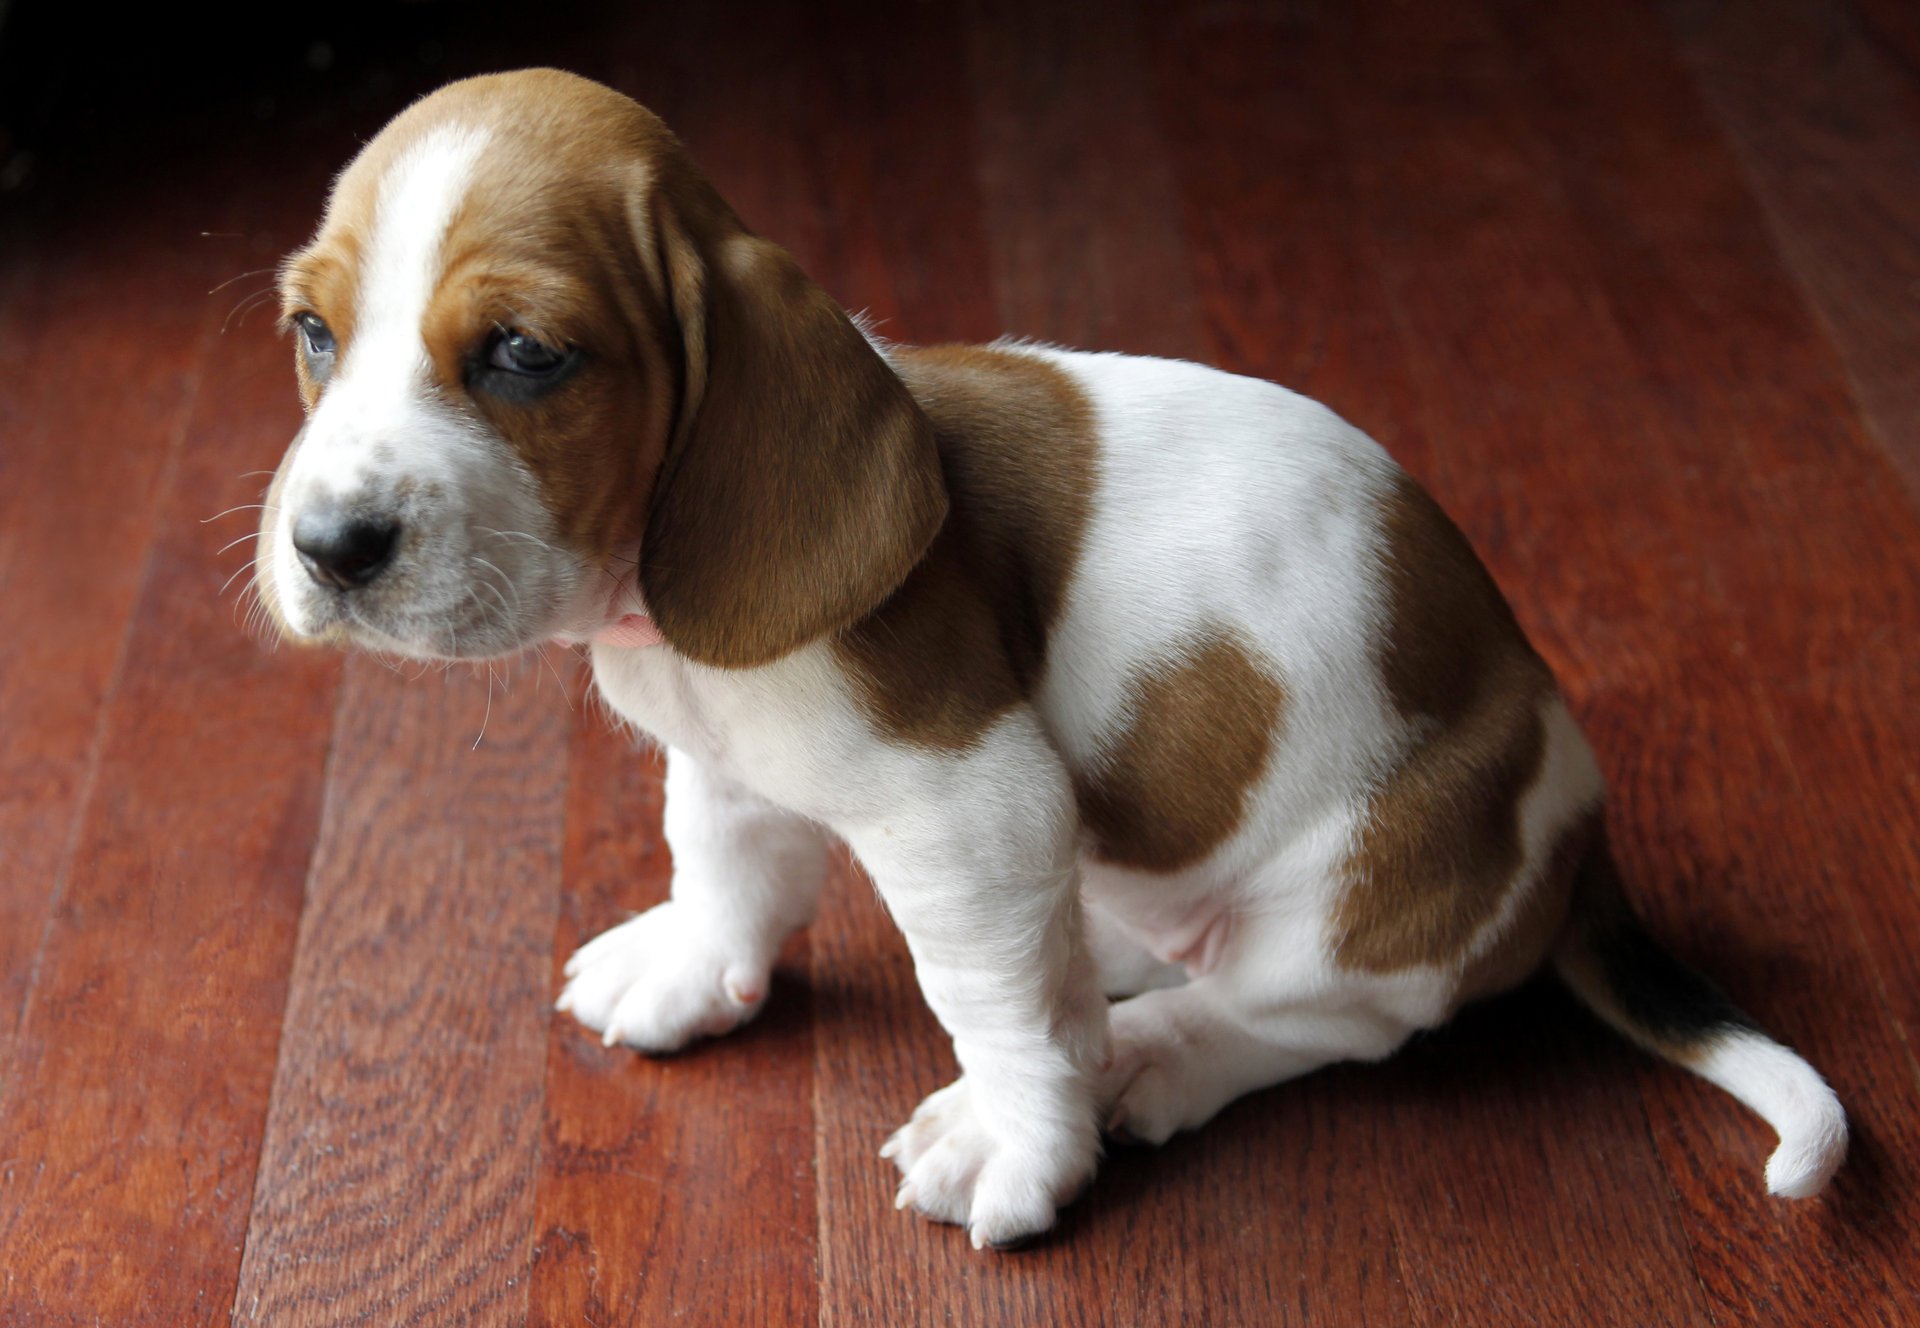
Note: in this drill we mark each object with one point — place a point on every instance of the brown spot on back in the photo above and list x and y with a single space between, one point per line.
964 637
1441 844
930 665
1016 438
1173 787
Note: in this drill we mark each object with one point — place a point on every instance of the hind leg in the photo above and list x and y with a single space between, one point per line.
1180 1055
1122 962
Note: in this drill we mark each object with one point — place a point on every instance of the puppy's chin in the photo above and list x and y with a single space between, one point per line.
451 642
473 626
474 631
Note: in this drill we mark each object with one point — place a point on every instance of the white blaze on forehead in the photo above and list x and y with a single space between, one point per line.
381 389
419 195
475 570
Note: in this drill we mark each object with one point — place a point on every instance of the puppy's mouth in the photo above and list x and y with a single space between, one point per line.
450 594
475 634
455 595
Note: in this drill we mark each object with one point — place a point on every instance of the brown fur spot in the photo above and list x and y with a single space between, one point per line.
930 665
964 638
1016 439
1540 918
321 280
1441 843
1173 787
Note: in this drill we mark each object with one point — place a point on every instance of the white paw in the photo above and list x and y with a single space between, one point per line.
662 979
1003 1186
1149 1082
1149 1100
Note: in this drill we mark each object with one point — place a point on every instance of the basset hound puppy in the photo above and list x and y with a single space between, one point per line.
1122 677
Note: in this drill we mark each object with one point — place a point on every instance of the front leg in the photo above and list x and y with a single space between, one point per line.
746 875
976 863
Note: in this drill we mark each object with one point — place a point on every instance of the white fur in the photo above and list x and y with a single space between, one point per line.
1789 1095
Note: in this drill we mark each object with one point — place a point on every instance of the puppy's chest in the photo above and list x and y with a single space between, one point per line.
781 731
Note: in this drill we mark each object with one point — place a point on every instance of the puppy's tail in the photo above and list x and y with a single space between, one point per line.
1623 975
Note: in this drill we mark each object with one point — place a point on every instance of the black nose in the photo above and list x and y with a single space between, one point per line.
343 550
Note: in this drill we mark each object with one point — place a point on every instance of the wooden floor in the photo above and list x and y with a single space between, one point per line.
1635 290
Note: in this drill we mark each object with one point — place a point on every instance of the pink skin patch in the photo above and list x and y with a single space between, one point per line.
630 631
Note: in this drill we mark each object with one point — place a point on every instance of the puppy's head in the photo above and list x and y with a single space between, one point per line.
550 379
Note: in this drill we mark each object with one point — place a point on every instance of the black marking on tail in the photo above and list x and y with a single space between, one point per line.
1665 1001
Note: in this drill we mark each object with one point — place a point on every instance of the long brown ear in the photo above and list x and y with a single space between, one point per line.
801 483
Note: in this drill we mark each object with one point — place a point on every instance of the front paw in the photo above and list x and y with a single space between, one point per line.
1003 1184
663 979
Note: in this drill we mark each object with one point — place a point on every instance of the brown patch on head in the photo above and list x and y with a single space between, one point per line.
721 412
1173 786
1441 844
548 238
964 638
322 279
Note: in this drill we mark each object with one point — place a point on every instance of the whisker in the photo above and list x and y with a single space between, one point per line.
259 271
513 614
238 539
252 564
488 716
540 653
248 303
239 507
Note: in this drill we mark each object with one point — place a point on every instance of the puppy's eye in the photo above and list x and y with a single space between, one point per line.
319 336
520 353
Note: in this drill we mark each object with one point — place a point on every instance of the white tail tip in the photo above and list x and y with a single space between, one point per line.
1789 1095
1807 1157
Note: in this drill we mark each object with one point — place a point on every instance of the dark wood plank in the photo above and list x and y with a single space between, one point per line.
1892 25
396 1179
82 474
671 1187
1825 120
1076 181
134 1099
817 154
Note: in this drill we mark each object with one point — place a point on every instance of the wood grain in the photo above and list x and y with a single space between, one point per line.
74 533
680 1188
1625 285
1086 245
132 1103
423 960
1825 121
1794 561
